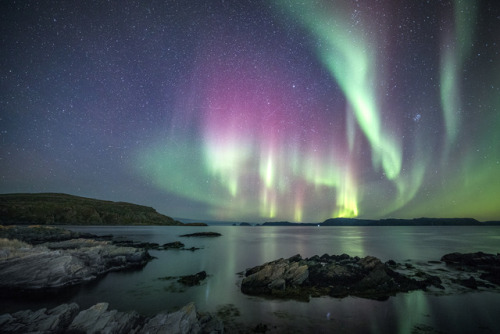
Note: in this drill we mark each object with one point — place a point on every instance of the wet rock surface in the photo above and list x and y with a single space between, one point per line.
67 318
487 264
343 275
63 263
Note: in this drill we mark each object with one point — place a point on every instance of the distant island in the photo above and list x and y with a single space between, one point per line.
64 209
391 222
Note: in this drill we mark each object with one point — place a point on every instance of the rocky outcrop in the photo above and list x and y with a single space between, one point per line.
97 319
42 321
335 275
63 263
186 320
489 264
54 209
202 234
66 318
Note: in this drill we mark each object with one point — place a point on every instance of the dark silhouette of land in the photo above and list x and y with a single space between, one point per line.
392 222
63 209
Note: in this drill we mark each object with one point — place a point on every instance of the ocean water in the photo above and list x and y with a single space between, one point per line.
244 247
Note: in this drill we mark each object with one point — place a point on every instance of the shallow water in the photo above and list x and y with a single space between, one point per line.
243 247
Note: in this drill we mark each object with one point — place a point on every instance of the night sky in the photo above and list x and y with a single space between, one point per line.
255 110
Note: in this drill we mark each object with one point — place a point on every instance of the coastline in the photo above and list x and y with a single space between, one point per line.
408 268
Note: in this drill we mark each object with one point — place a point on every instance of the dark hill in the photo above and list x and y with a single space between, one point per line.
402 222
63 209
392 222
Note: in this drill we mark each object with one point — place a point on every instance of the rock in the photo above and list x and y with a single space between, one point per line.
493 276
66 263
192 249
41 321
335 275
191 280
489 263
202 234
98 319
182 321
391 263
174 245
478 259
136 244
470 283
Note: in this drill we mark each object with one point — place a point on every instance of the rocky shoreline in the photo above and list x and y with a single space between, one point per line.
67 318
66 263
42 259
342 275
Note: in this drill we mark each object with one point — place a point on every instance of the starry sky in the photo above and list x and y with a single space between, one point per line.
255 110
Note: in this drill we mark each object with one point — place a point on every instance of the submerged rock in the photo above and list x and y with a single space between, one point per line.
335 275
191 280
174 245
188 280
98 319
65 263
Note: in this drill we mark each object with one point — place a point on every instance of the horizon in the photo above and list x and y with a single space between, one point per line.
216 222
254 112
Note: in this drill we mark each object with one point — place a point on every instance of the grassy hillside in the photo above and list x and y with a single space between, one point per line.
63 209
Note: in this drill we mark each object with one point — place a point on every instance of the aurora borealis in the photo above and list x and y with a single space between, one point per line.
256 110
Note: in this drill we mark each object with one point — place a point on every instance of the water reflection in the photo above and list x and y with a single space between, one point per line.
244 247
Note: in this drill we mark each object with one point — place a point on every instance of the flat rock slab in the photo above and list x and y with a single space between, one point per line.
64 263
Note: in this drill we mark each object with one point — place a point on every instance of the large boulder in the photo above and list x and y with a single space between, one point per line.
275 275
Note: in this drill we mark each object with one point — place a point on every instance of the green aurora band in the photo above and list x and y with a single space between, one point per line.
244 172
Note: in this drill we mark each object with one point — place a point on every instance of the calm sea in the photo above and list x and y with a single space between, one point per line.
243 247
